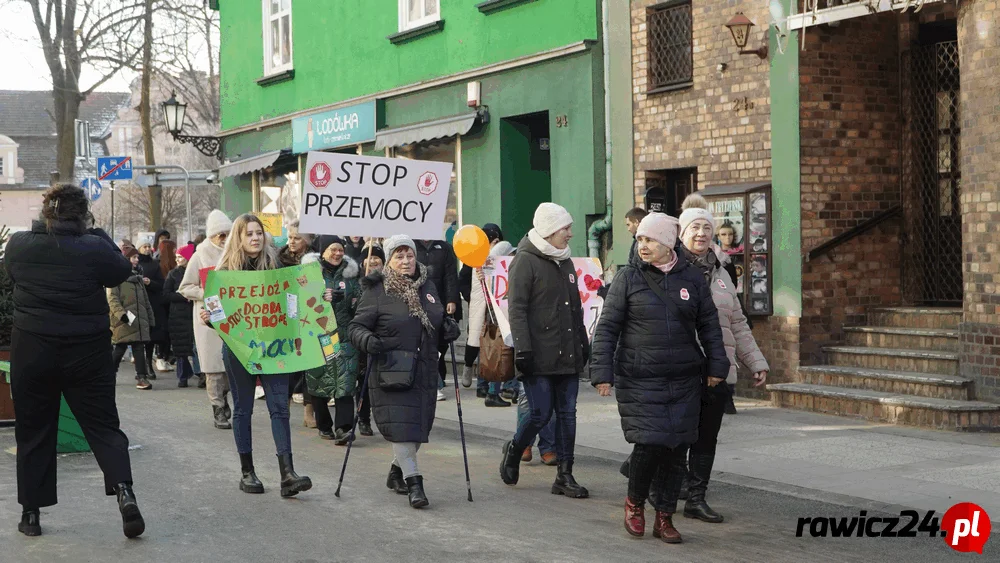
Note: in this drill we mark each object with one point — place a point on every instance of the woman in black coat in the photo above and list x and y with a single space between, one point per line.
401 322
179 325
154 289
61 346
646 344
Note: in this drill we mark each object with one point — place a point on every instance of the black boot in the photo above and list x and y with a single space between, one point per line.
496 401
249 483
201 381
510 466
221 421
696 507
132 523
225 408
565 483
30 524
365 428
626 466
395 480
291 483
415 488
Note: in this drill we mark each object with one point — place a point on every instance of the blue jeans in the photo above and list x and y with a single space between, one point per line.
194 360
494 388
548 396
184 369
547 436
242 385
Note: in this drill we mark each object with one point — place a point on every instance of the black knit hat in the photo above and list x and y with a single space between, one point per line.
326 240
493 232
376 251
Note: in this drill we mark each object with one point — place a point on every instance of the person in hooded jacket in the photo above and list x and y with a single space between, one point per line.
154 290
697 226
179 324
207 341
132 319
338 379
551 345
646 344
401 323
61 347
355 248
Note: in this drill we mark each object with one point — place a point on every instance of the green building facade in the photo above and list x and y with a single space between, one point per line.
512 92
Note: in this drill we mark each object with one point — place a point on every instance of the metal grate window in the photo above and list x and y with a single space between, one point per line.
668 45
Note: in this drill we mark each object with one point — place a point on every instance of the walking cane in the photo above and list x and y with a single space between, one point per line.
461 425
357 417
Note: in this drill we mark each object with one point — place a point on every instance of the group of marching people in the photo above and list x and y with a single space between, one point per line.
667 341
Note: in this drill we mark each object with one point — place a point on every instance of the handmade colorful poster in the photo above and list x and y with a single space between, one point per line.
274 321
588 280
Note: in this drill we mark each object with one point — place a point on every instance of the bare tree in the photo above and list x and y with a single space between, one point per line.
155 193
188 50
97 34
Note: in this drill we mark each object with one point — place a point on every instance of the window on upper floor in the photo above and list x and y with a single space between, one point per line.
277 36
415 13
669 46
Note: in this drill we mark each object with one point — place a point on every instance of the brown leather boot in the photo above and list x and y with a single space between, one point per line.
635 518
664 529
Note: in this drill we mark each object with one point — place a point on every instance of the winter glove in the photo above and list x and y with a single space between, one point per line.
375 345
338 295
450 330
524 362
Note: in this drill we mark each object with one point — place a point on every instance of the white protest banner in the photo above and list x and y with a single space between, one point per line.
365 196
588 280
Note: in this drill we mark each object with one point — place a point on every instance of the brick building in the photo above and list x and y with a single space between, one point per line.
883 218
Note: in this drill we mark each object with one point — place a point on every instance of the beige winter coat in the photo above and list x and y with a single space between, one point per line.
736 333
209 344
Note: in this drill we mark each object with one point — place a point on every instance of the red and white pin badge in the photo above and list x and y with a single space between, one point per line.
722 284
343 285
684 294
431 298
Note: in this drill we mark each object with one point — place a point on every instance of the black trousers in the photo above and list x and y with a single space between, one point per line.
361 393
660 469
710 420
42 369
343 417
442 369
140 350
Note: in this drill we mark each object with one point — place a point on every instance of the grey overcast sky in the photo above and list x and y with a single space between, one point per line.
22 64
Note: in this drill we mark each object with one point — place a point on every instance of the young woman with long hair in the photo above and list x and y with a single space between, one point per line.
248 248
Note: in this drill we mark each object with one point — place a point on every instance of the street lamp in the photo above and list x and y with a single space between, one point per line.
740 26
173 119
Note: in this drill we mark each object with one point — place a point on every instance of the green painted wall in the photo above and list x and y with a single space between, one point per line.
785 171
620 94
341 51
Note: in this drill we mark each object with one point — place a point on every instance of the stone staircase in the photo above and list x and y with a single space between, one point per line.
902 369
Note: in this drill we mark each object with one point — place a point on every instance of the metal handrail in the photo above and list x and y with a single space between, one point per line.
854 232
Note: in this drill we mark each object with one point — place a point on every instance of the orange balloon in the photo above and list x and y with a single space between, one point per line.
472 246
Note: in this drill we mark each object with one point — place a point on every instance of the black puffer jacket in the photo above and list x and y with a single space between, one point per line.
61 279
643 350
546 316
442 269
151 269
381 325
179 323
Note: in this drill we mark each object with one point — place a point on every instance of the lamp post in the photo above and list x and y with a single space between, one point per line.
173 119
740 26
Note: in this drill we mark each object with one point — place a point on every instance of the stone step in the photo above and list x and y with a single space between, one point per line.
894 408
912 338
903 382
916 317
926 361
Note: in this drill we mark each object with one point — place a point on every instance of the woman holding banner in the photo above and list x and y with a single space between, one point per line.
401 323
249 249
208 345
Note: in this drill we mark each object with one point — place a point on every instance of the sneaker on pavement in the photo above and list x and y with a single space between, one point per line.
297 398
441 395
161 365
143 383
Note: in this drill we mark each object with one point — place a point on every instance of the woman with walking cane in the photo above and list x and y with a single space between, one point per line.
646 344
249 249
550 342
400 323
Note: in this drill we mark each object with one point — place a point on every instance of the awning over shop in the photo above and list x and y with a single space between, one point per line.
248 165
427 130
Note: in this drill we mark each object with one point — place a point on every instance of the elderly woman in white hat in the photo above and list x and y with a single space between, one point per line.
697 228
400 323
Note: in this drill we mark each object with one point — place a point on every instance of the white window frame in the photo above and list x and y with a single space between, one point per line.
405 24
269 68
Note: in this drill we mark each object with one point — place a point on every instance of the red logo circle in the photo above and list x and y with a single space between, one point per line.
319 175
427 183
966 527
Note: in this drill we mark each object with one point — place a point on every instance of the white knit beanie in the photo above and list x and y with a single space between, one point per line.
216 223
695 207
660 227
392 243
550 217
310 257
502 248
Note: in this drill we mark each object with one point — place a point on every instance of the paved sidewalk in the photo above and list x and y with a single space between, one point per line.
809 455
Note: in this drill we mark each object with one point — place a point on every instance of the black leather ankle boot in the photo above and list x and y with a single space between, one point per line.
249 483
291 483
565 483
415 488
132 523
30 524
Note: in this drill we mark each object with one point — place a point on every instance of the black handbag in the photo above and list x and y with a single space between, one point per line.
396 370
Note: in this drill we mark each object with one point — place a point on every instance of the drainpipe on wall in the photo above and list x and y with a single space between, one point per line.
603 225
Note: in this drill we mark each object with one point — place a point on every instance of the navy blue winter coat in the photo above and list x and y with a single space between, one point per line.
648 355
